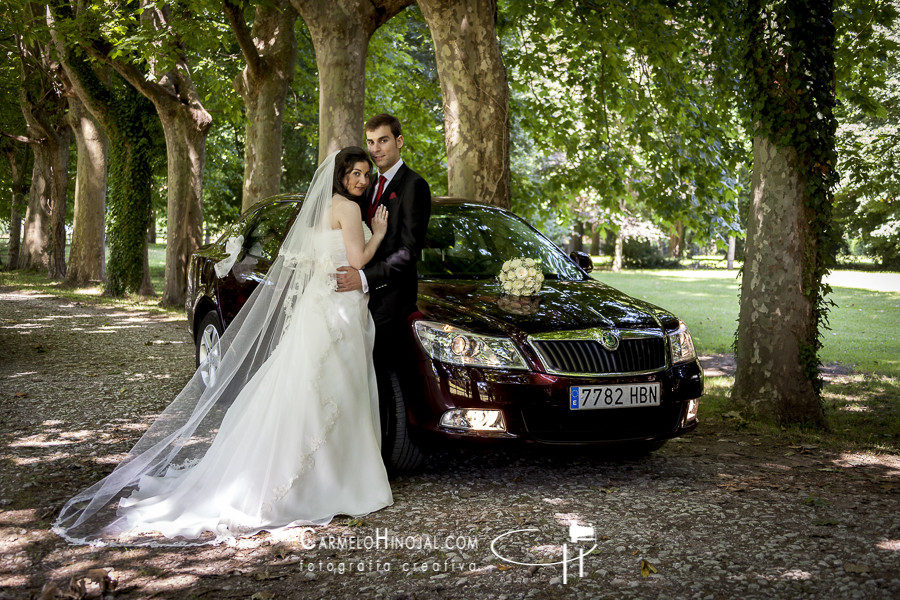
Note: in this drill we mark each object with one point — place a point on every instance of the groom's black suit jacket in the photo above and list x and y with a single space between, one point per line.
391 274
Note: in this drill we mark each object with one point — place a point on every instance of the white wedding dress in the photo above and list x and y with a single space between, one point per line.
301 442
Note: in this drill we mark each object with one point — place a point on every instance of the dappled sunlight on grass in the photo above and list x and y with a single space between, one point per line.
863 412
863 332
37 285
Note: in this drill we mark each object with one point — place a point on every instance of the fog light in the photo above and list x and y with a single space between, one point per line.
693 406
475 420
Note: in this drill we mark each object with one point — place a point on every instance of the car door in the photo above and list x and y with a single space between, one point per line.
263 233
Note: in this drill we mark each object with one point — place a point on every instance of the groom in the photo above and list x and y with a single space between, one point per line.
391 278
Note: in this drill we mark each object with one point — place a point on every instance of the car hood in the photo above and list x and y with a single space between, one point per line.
559 306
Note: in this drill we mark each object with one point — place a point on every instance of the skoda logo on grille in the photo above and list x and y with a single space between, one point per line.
609 339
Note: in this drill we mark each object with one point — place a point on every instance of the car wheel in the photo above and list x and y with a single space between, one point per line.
208 334
399 453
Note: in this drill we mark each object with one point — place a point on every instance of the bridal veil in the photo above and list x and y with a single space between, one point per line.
182 433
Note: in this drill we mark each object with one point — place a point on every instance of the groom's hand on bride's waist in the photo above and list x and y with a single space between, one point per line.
349 279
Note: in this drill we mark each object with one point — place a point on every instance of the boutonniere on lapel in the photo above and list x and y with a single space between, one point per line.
393 196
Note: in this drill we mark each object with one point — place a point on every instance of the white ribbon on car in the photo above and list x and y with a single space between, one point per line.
233 248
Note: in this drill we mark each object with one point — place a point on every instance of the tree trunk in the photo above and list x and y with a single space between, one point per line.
676 240
577 244
185 129
127 117
185 125
776 317
45 233
270 51
340 31
617 256
595 240
475 91
731 244
58 146
151 230
87 254
35 252
19 188
146 288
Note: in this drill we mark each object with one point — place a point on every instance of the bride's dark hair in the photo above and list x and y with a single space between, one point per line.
343 164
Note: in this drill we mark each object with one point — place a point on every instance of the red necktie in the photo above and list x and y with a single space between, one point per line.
374 205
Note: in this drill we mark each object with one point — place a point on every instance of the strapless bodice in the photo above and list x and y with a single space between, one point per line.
334 240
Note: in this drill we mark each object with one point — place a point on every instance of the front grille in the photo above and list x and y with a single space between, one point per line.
561 425
590 358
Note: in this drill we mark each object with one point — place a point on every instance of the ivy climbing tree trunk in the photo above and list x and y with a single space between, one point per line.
270 51
185 124
340 31
475 90
790 70
111 117
87 253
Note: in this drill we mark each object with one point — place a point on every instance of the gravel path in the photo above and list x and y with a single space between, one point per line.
719 514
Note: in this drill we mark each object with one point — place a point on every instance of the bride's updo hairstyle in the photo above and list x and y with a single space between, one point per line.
344 163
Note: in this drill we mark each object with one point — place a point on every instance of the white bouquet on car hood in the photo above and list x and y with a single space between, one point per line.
521 277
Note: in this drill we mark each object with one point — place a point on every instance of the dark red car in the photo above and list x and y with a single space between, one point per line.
578 363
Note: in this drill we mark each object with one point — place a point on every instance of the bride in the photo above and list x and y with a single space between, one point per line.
288 432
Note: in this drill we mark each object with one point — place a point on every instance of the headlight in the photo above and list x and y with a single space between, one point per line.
681 346
459 347
478 420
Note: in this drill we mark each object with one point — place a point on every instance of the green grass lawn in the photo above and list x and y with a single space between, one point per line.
863 409
36 281
863 335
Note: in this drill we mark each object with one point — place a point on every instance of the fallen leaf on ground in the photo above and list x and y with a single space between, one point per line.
854 568
646 568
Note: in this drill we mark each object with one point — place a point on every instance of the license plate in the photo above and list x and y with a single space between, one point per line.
626 395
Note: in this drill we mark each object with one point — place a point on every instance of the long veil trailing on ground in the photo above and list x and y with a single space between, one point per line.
181 435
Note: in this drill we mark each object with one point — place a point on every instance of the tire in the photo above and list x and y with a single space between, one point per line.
209 332
399 453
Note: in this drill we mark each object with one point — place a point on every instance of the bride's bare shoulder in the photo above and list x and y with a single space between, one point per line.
343 206
343 211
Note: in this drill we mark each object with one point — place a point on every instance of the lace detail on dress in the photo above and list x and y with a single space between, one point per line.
306 461
187 464
314 273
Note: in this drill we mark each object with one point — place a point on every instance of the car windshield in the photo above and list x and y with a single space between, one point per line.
473 242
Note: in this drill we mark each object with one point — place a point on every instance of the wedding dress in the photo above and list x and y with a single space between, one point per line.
288 434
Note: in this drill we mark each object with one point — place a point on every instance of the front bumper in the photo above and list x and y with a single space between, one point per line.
536 407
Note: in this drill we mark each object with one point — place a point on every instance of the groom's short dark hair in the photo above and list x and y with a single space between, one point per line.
385 119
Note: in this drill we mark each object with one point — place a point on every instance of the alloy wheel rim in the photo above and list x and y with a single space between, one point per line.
209 354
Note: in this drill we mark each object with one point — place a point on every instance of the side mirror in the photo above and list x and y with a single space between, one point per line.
583 260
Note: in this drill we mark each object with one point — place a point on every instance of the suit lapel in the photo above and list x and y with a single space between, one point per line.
394 184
